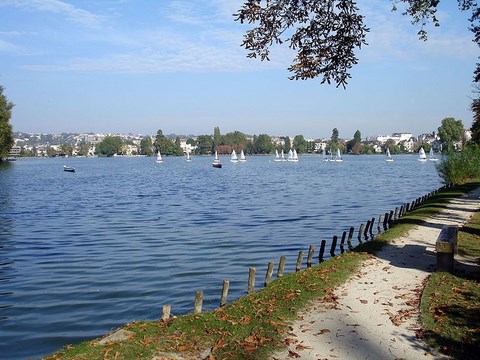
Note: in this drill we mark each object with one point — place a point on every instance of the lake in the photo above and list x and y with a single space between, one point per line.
83 253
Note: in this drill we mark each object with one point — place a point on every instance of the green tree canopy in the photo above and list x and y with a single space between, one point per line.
109 146
300 144
287 145
450 132
263 144
6 136
146 146
204 144
357 137
166 146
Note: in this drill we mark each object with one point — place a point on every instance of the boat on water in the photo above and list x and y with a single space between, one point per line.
338 156
292 155
388 155
277 156
159 158
242 157
431 156
216 161
324 155
188 158
68 168
421 155
233 157
282 156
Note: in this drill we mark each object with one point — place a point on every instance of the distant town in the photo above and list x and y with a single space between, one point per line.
85 144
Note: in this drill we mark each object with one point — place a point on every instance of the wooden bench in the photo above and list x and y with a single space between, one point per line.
446 247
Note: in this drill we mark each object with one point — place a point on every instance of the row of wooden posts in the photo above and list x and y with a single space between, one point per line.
365 233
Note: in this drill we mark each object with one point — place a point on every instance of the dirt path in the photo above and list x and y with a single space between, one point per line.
374 315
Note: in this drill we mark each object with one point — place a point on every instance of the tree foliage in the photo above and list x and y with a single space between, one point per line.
6 136
146 146
109 146
300 144
166 146
326 33
450 132
263 144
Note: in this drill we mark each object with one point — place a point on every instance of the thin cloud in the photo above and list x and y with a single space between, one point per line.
69 11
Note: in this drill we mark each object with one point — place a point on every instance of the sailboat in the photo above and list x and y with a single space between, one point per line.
233 157
188 158
277 157
421 155
242 157
216 161
159 158
432 156
290 155
294 156
282 156
388 156
324 156
338 157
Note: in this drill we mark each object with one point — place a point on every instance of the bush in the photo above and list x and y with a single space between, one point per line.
459 167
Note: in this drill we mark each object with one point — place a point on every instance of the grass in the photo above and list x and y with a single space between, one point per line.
256 325
451 302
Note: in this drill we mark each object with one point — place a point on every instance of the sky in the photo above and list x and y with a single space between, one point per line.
137 66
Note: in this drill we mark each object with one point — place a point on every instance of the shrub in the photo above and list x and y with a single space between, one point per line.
459 167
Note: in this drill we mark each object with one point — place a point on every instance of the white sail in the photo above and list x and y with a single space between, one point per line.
290 155
432 156
282 156
242 157
389 157
338 157
188 158
277 157
233 157
159 158
421 155
216 161
294 155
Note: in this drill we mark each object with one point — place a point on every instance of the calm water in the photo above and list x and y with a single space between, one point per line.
82 253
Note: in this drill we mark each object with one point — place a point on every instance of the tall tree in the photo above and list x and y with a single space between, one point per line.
287 145
450 132
357 137
6 136
109 146
204 144
334 140
217 137
263 144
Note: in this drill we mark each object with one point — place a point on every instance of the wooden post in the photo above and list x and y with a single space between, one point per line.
342 242
395 215
223 299
407 207
379 224
390 219
334 245
360 231
311 251
281 266
385 221
298 266
400 212
350 236
268 275
166 312
322 250
197 309
251 280
413 206
365 232
371 226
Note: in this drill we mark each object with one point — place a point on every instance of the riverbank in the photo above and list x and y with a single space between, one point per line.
375 314
257 324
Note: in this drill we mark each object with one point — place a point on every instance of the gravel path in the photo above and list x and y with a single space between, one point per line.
374 315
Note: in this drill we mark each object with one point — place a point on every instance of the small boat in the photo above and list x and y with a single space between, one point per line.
324 156
216 161
188 158
233 157
242 157
277 157
431 156
159 158
388 156
338 157
68 168
421 155
282 156
294 156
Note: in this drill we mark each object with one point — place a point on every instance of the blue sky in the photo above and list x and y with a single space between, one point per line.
138 66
